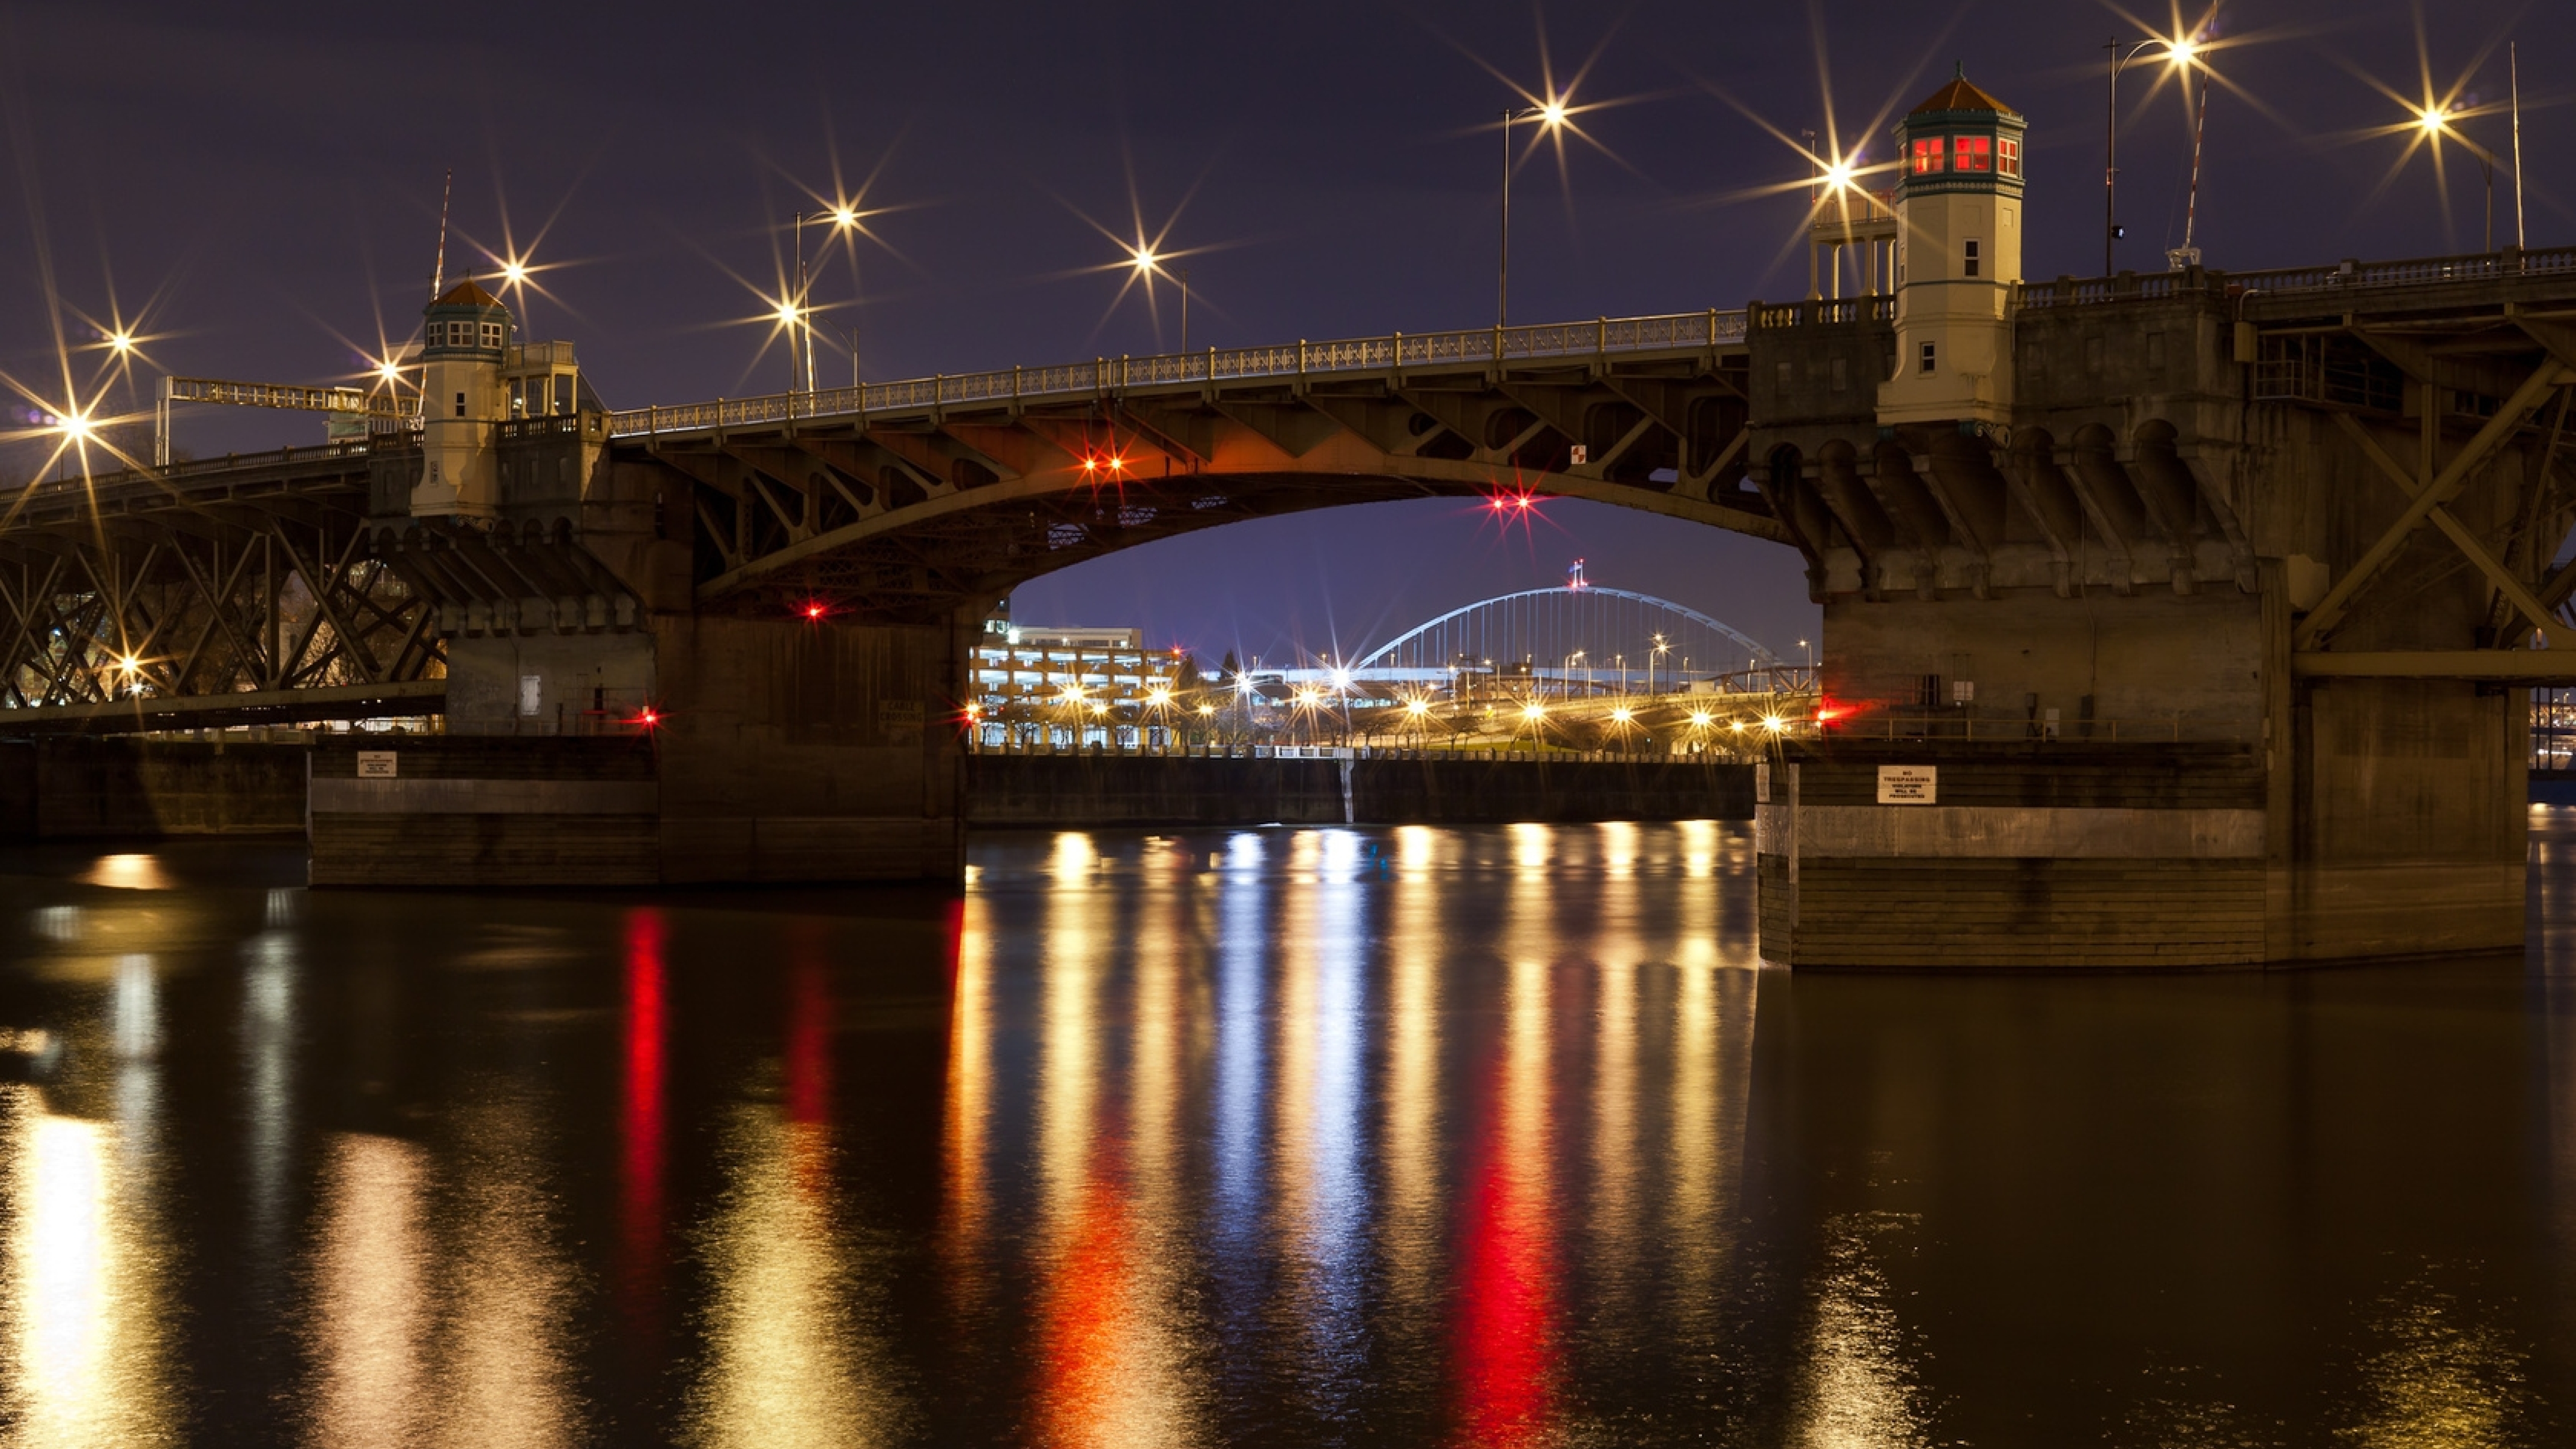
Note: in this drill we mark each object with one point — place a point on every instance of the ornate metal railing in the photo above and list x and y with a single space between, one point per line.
295 397
105 487
2344 276
1110 375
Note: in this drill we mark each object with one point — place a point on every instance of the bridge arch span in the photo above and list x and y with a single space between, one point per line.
1608 630
906 502
987 540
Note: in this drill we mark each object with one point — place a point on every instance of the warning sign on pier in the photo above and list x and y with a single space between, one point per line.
375 764
1908 784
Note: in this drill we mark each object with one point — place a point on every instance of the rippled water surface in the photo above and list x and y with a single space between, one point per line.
1291 1137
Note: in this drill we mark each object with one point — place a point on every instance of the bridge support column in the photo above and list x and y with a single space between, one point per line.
703 750
2134 782
811 752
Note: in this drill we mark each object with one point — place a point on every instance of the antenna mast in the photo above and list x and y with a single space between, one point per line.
438 268
2188 255
2513 62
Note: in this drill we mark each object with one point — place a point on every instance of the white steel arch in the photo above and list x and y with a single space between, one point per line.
1546 626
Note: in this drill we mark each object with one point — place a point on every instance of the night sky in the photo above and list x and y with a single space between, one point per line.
261 183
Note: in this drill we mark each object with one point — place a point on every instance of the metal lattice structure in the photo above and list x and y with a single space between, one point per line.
1612 631
210 593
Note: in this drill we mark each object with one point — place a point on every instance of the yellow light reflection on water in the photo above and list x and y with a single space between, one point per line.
2437 1373
129 873
792 1356
504 1375
370 1305
1857 1383
1530 847
1114 1350
967 1126
85 1357
1412 1104
1615 1225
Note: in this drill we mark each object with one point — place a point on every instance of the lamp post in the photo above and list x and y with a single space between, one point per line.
2178 53
2435 122
805 350
842 218
1549 117
1185 311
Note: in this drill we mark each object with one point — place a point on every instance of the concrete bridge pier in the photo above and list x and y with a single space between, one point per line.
700 750
796 751
2134 783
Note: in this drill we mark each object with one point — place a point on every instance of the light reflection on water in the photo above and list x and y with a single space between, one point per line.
1284 1136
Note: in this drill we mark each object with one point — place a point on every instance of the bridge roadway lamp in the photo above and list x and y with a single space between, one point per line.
1549 117
800 314
2178 53
2435 123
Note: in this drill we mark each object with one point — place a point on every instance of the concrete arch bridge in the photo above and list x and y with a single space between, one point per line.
901 502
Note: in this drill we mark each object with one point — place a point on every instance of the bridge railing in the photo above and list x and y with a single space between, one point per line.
1107 375
101 485
2343 276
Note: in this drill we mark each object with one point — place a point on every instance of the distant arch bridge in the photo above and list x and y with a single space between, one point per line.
1587 638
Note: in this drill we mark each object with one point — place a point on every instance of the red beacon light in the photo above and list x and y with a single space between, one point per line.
812 610
647 718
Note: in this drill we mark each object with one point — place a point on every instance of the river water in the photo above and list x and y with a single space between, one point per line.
1286 1136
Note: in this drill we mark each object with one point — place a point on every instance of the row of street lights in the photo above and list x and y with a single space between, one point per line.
2434 120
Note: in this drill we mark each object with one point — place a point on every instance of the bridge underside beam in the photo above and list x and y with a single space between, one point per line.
963 501
215 711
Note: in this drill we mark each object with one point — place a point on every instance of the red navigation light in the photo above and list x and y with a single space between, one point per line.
647 718
813 610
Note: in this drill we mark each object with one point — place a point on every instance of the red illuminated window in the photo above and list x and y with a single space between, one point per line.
1928 155
2007 158
1973 153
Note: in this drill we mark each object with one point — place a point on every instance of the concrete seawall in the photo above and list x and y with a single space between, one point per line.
80 789
75 789
1034 791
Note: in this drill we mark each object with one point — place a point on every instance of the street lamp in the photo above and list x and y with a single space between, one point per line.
2179 54
1549 116
843 218
1661 649
2435 123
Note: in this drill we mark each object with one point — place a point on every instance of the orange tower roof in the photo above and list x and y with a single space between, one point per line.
466 294
1962 95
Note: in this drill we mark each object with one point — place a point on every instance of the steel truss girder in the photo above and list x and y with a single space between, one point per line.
205 598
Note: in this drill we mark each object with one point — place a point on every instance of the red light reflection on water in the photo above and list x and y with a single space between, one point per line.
1086 1345
641 1114
807 1067
1504 1357
809 1038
